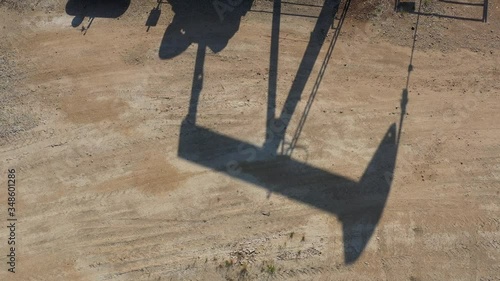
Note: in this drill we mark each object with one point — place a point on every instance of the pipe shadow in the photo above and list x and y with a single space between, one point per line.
461 3
446 16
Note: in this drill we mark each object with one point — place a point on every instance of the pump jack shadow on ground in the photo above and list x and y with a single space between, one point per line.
357 204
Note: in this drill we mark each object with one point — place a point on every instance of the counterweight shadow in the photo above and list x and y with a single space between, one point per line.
207 23
95 9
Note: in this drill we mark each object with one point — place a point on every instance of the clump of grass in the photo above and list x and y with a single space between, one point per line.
270 269
244 270
229 263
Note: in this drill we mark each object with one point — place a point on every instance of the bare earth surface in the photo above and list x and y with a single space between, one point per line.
110 185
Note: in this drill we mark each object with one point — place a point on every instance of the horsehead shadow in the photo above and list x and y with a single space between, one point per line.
357 204
95 9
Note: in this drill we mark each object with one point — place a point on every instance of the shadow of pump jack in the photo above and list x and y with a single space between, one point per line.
357 204
211 24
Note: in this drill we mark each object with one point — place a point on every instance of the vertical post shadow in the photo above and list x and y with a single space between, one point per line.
197 84
485 11
273 66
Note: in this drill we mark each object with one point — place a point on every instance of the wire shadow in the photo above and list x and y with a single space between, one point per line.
321 74
357 204
404 95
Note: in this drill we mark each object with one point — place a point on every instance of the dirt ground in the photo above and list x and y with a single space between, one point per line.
121 143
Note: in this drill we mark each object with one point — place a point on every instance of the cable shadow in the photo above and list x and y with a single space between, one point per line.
357 204
317 83
404 95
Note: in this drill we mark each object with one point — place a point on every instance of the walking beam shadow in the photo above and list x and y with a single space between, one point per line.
357 204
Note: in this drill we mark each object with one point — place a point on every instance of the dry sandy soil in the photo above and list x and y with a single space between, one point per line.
118 177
